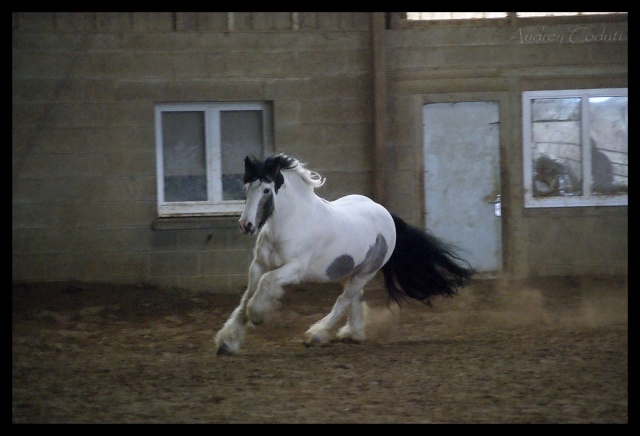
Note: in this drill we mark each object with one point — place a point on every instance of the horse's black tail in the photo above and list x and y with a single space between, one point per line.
422 266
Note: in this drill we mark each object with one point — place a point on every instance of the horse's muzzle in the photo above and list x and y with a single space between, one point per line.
247 227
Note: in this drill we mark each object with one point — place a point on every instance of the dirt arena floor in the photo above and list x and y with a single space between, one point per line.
544 352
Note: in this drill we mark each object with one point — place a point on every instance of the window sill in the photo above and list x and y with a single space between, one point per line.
195 222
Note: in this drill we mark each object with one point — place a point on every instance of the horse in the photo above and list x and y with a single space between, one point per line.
302 237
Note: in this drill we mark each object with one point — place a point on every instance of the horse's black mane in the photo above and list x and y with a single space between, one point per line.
268 170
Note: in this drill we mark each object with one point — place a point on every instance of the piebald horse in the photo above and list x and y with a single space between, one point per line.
305 238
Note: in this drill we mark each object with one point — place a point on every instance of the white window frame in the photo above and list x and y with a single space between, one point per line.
456 16
214 205
586 199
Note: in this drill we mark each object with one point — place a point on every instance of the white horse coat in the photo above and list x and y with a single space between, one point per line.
304 238
324 239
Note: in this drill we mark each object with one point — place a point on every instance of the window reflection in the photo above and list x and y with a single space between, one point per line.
609 145
557 153
241 135
185 177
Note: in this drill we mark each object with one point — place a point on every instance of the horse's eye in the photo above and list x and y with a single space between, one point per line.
265 190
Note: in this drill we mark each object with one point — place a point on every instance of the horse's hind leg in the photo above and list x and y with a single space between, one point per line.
320 332
353 330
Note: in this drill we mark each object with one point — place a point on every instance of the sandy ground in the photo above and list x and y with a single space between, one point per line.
554 351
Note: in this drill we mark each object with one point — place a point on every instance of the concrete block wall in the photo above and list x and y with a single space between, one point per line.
84 88
464 59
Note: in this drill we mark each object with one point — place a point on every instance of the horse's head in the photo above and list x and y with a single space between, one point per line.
262 180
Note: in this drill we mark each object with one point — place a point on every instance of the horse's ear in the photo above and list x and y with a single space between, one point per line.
273 171
250 169
271 166
279 181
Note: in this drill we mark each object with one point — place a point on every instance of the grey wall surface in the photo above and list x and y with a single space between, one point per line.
84 87
499 62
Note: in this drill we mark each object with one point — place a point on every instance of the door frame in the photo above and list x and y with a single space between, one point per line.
505 124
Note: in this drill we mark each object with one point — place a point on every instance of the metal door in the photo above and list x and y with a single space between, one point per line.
462 179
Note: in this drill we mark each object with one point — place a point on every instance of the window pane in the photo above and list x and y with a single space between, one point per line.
241 135
183 142
453 15
561 14
609 145
557 151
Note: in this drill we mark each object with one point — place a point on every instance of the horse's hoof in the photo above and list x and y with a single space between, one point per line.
348 336
311 341
224 350
254 318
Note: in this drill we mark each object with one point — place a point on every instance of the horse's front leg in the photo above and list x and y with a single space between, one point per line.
231 336
270 290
